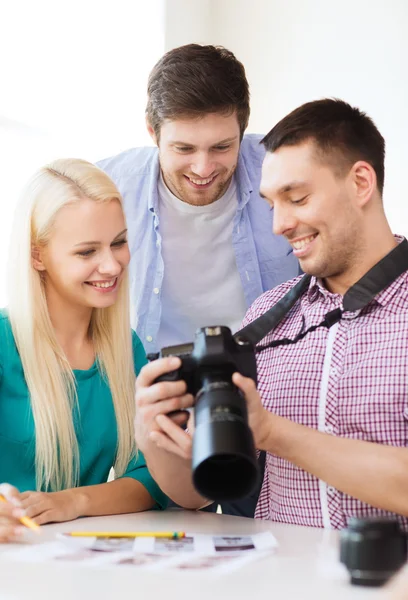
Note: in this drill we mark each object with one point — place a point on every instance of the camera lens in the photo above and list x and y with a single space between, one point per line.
224 460
372 549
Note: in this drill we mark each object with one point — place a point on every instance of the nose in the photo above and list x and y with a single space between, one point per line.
284 220
109 266
203 165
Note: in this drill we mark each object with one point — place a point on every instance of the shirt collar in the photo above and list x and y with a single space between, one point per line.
316 287
244 184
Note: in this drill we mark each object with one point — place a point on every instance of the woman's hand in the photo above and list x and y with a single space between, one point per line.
154 404
10 512
52 507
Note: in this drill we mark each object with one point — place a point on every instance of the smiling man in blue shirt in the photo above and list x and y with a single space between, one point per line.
200 236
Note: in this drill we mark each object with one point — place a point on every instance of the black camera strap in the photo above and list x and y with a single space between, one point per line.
357 297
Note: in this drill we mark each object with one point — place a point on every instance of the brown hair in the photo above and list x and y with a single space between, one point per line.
343 135
193 80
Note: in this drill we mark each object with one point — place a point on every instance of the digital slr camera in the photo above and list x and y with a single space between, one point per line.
224 461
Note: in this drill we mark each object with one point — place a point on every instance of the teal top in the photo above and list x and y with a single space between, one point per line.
95 428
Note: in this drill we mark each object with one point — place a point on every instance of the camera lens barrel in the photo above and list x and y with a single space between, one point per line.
224 461
372 549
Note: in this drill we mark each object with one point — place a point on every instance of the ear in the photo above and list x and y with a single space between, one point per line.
364 181
36 259
151 131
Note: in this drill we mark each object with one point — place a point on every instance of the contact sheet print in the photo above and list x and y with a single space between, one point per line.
193 552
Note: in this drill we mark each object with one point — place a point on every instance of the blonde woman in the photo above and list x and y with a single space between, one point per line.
68 357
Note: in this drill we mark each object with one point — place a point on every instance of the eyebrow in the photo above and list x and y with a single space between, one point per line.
226 141
96 242
294 185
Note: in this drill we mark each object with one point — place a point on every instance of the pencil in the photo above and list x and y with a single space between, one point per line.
24 520
129 534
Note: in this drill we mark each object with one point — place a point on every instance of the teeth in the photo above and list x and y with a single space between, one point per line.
302 243
104 284
201 181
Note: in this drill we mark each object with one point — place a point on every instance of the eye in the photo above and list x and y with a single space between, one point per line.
86 253
183 149
299 201
222 148
119 243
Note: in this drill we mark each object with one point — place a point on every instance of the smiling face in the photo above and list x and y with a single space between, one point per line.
198 157
86 256
314 209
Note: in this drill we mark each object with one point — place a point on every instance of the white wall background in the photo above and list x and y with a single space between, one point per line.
73 76
73 83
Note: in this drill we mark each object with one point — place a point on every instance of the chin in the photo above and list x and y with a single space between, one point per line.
106 304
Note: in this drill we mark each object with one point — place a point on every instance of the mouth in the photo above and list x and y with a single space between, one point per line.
303 246
105 286
201 184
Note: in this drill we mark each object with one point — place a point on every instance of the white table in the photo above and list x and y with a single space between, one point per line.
302 567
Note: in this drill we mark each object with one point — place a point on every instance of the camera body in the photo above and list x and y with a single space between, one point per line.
224 459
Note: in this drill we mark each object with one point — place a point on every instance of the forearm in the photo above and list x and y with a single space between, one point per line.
173 475
125 495
374 473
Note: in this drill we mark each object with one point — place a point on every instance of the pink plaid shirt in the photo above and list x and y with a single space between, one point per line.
350 381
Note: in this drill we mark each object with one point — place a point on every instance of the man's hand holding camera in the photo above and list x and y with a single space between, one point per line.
259 419
154 404
160 413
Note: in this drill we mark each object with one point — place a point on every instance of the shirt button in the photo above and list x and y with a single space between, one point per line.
329 429
157 244
149 338
333 371
331 490
156 290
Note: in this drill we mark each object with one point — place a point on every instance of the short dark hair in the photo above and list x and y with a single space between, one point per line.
193 80
342 134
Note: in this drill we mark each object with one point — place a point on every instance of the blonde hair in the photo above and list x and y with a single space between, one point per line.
49 377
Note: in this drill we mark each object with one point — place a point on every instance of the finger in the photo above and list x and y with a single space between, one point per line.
10 493
11 519
28 494
10 533
48 516
245 384
182 439
191 423
30 500
167 406
157 392
10 512
34 510
180 417
151 371
164 443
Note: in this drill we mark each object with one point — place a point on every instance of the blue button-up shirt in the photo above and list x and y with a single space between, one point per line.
264 260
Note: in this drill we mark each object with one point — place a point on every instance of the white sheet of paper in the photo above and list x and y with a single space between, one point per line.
194 552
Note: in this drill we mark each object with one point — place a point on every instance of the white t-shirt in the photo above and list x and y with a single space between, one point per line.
201 283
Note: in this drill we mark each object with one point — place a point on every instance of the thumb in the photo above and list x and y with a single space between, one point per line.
245 384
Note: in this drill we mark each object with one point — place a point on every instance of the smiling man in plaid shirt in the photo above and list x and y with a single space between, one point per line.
331 410
334 420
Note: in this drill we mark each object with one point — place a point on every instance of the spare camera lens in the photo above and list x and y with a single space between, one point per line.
372 549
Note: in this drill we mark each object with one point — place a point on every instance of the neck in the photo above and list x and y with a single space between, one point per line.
369 254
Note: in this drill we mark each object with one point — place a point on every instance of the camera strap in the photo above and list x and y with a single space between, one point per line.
379 277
